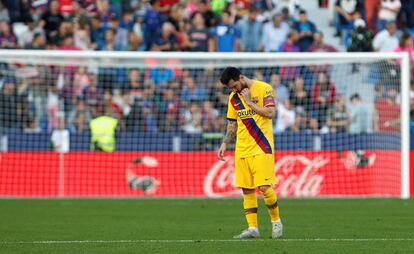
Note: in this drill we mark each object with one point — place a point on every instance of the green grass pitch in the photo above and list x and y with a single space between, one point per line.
203 226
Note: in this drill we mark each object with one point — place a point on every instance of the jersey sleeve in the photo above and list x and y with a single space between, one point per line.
231 112
269 97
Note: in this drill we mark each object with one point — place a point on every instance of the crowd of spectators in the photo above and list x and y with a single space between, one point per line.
162 99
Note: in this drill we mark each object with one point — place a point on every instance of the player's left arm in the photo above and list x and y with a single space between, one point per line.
269 105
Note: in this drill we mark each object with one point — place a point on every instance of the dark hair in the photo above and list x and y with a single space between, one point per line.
355 96
228 74
302 12
404 37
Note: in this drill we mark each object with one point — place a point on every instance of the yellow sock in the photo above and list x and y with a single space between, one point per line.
250 209
270 200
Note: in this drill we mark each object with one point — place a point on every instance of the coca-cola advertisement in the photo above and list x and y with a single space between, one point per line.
195 174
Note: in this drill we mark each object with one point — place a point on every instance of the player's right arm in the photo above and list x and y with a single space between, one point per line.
229 138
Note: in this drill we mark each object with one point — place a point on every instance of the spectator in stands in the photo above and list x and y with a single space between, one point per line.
110 44
226 34
152 23
406 14
218 96
360 38
358 116
38 42
92 94
169 111
209 117
306 29
274 34
80 125
192 119
134 86
192 91
149 110
97 34
168 39
282 92
199 37
299 97
371 13
251 31
323 97
406 45
80 109
51 20
290 72
60 139
7 39
121 34
347 11
103 132
338 119
8 104
387 39
134 43
285 116
161 76
210 17
388 12
287 18
82 36
4 13
53 107
319 45
387 113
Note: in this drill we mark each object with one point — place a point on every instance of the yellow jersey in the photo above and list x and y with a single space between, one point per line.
254 132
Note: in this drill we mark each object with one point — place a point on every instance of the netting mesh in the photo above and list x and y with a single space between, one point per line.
75 126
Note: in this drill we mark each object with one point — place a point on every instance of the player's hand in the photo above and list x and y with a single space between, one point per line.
221 151
246 94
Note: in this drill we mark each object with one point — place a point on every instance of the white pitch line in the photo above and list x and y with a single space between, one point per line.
207 240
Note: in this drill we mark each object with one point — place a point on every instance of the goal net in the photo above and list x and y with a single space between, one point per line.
109 124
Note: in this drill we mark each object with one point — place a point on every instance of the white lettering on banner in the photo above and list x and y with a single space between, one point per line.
297 177
221 177
305 184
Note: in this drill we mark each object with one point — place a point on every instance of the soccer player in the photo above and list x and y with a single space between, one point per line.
251 107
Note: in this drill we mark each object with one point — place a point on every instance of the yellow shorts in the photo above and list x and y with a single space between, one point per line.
255 171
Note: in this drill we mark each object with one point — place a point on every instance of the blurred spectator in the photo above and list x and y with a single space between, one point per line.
388 12
199 37
226 34
92 94
306 29
169 111
121 34
406 14
287 18
209 16
103 132
274 34
319 45
152 23
8 104
358 116
7 39
300 97
323 97
371 13
360 38
80 125
60 138
38 42
134 43
406 45
80 81
110 44
134 86
28 34
387 39
161 76
168 40
51 20
285 116
4 13
209 118
68 43
82 36
192 119
282 92
149 112
290 72
53 107
97 33
387 113
347 11
80 109
192 92
337 116
251 31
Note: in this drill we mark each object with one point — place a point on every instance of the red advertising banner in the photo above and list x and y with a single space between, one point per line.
194 174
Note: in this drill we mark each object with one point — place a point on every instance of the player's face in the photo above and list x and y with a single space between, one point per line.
237 86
